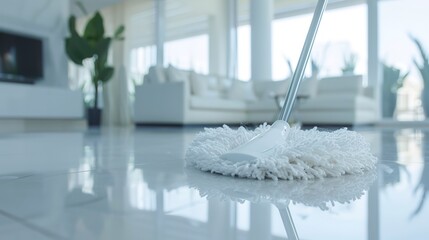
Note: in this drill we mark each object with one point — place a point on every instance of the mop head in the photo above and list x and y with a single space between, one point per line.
304 154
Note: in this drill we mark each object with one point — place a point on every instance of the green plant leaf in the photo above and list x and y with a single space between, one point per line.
72 25
118 33
106 74
78 49
424 66
94 30
102 51
421 50
393 80
73 55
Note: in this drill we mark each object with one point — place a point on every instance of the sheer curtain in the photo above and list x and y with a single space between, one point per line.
116 96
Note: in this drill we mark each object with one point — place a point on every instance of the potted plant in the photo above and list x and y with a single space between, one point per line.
424 72
393 80
349 64
90 49
315 69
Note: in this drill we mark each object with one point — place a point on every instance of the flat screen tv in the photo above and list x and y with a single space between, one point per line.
21 58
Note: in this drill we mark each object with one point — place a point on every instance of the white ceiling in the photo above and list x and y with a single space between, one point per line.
202 6
91 5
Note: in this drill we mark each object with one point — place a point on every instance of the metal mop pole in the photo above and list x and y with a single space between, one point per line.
265 142
302 62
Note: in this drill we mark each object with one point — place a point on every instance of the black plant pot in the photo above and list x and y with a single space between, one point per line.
94 117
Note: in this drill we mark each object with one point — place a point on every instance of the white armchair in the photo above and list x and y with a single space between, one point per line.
339 101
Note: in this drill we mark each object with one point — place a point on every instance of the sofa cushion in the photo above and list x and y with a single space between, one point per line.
241 90
336 117
204 85
198 102
155 75
337 102
224 85
343 84
177 75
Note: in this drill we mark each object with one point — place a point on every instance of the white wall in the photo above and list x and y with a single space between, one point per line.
45 19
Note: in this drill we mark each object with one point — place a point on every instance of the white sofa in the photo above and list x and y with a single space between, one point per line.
339 101
173 96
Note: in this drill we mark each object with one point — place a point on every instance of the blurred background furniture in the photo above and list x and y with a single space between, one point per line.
339 101
173 96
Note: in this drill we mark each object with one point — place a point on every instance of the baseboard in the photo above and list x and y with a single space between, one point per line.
42 125
392 123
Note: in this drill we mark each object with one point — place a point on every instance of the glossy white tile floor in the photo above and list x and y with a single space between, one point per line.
131 184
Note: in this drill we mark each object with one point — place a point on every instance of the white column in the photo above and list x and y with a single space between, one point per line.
232 38
260 221
374 73
159 31
261 14
219 219
218 34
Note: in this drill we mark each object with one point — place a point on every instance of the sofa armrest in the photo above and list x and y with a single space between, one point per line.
369 92
161 102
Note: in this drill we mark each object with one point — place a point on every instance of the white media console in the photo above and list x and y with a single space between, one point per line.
31 107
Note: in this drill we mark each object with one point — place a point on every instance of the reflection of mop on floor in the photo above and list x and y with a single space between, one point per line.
278 151
322 194
288 223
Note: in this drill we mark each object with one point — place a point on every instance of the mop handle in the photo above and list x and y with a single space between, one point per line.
302 62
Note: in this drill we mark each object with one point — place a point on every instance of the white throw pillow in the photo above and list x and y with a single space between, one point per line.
241 90
177 75
156 75
225 85
204 85
212 81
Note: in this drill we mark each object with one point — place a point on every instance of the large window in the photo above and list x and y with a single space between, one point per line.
188 53
398 20
243 52
342 34
140 60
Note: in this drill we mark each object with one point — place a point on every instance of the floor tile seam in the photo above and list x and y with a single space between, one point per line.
30 226
65 172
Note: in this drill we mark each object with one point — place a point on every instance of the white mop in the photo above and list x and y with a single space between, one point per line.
278 151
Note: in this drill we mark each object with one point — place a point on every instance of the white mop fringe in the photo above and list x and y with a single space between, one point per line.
305 154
